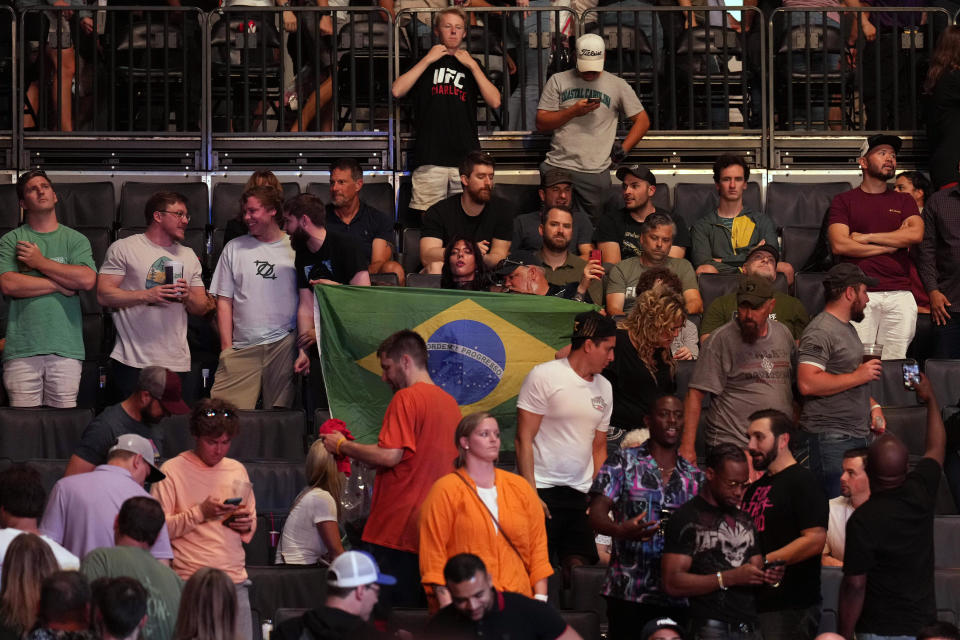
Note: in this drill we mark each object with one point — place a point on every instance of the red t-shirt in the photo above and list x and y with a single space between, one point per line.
866 212
421 420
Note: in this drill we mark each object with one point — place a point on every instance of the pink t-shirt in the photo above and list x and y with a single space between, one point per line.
866 212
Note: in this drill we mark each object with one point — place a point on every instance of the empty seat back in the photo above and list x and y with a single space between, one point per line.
945 378
910 425
134 196
276 483
799 245
424 280
523 198
9 206
586 585
86 204
264 435
410 243
41 433
285 586
801 204
809 288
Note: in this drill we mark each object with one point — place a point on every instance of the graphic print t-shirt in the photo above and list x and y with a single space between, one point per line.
446 113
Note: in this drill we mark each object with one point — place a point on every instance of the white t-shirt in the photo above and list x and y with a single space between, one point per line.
262 280
840 511
66 560
150 335
573 411
300 542
489 498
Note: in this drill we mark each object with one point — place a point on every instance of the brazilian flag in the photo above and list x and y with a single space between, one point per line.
480 347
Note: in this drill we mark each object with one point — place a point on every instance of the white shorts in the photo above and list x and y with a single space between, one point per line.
48 380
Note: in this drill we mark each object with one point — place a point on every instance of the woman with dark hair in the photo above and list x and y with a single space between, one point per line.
208 608
916 185
486 511
26 565
463 266
941 92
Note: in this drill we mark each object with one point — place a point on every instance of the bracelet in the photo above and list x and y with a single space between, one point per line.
720 581
542 597
339 442
875 406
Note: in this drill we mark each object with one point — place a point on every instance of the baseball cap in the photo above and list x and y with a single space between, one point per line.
637 171
591 50
769 248
656 624
354 568
754 291
846 274
591 324
138 444
881 138
516 259
556 176
164 385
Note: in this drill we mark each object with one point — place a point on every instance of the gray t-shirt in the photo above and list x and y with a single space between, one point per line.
624 275
744 378
833 346
584 143
102 433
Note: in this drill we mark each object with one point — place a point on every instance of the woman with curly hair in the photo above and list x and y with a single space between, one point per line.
643 367
941 94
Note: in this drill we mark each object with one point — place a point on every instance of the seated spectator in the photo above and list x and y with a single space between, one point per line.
119 608
236 227
463 267
157 395
21 505
656 239
29 561
916 185
661 629
208 608
256 287
619 230
311 533
205 530
474 214
349 215
556 190
486 511
323 256
722 239
531 279
478 609
789 311
686 346
561 266
352 592
137 527
64 609
855 490
150 311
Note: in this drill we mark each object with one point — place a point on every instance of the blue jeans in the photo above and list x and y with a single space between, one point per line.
824 452
635 13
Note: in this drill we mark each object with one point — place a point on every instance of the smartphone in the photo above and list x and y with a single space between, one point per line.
233 501
773 565
593 100
596 255
911 375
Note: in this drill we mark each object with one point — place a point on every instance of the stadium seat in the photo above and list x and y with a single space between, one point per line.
264 435
91 395
684 373
889 390
801 204
100 239
378 195
946 532
259 551
134 196
691 200
523 198
947 594
276 484
50 470
799 245
196 239
945 378
9 206
714 285
410 248
86 204
585 623
809 289
910 425
301 587
830 578
586 584
226 200
413 621
41 433
285 613
93 337
424 280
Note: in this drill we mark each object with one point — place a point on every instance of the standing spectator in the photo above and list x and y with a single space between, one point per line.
474 214
415 448
43 265
556 190
788 311
83 508
138 524
712 553
563 414
789 510
156 396
446 83
722 239
348 214
492 513
581 107
854 491
941 93
21 505
29 562
149 312
639 487
119 608
838 412
888 585
311 533
256 288
938 262
205 530
619 230
463 266
64 609
873 227
748 362
208 608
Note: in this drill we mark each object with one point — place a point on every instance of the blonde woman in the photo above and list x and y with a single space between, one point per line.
311 533
27 563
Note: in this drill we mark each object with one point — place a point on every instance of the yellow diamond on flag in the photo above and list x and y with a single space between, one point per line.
475 355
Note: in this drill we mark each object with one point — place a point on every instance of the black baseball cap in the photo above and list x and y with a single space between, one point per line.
769 248
656 624
591 324
881 138
847 274
556 176
637 171
754 291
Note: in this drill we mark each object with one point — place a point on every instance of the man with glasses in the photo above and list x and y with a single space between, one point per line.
157 395
138 280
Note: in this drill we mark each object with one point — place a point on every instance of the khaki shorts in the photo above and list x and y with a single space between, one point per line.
243 374
432 183
48 380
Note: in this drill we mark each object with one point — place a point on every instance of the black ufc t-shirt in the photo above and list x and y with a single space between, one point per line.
445 108
782 505
339 258
447 220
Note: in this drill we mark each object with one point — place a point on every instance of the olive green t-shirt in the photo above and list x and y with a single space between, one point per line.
623 277
788 311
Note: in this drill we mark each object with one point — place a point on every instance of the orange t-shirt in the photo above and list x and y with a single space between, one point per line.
421 420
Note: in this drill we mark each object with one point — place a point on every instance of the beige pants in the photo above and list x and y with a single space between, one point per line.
243 373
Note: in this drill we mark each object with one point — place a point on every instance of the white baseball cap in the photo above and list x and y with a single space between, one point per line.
354 568
591 50
134 443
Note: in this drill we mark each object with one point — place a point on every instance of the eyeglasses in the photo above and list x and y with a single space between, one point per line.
182 215
212 413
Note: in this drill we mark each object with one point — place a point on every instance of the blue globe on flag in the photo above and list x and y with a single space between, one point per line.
466 359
